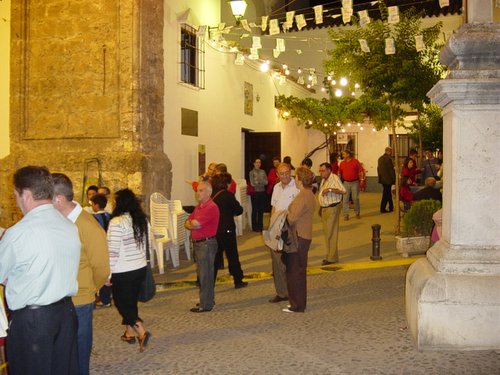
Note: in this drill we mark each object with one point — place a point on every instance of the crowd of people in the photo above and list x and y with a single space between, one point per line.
415 183
54 261
61 256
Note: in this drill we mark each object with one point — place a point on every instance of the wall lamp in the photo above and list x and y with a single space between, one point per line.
238 8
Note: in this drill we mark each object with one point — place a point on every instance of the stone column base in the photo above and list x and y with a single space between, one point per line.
457 311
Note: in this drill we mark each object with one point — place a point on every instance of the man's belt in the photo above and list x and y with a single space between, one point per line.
332 205
60 302
203 239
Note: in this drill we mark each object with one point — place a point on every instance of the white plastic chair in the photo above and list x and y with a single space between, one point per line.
242 221
160 226
180 236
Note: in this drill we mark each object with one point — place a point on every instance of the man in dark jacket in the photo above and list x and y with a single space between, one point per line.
229 207
386 177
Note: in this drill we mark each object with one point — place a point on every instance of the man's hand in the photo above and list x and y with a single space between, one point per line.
192 224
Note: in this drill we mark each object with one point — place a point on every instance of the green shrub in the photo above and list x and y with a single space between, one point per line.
417 221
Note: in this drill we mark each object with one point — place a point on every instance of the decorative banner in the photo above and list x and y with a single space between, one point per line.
282 80
364 45
254 54
444 3
227 30
393 14
347 4
318 13
276 53
202 30
244 24
300 80
280 44
274 27
346 14
299 52
364 19
373 3
300 20
239 59
222 26
253 24
256 42
264 23
390 49
419 43
243 36
289 19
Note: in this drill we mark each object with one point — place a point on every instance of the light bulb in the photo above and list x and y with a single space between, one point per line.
343 81
338 93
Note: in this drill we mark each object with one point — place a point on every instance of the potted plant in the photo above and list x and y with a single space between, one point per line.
417 227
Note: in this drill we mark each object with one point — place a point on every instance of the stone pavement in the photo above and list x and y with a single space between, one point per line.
354 323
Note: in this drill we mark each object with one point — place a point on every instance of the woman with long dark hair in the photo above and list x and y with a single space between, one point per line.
128 238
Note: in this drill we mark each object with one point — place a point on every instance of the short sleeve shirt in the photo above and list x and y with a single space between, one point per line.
207 214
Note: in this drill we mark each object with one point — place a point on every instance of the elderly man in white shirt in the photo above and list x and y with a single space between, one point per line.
39 259
283 194
330 196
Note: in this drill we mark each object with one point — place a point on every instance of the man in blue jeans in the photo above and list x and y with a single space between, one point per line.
93 271
203 223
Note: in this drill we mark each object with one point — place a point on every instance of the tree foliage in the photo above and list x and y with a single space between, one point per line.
428 128
401 78
398 79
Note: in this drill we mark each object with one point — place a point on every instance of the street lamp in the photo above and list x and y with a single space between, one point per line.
238 8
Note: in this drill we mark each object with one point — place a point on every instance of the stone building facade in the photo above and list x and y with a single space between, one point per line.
87 83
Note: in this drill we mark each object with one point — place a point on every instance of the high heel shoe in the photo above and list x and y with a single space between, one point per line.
143 340
128 339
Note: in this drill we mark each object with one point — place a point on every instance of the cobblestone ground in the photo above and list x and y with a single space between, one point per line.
354 324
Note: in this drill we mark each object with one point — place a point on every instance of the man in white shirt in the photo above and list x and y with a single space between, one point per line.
330 195
283 194
39 259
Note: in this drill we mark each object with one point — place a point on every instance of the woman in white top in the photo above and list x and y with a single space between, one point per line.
128 234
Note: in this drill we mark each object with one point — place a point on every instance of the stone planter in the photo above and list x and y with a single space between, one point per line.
408 246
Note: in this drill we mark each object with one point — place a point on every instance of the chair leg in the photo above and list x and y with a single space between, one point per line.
187 248
159 253
174 255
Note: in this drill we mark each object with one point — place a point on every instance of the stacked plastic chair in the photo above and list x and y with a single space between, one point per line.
180 236
160 225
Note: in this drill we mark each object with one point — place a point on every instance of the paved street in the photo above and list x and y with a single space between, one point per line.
354 323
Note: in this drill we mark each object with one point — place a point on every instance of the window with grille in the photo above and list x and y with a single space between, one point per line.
192 59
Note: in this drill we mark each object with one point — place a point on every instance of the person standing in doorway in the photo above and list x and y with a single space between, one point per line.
258 180
39 258
386 177
330 195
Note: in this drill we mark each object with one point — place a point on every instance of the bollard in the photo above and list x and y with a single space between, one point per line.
376 242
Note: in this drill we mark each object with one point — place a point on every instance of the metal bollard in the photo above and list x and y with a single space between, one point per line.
376 242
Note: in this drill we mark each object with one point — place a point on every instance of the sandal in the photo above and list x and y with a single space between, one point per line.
143 341
128 339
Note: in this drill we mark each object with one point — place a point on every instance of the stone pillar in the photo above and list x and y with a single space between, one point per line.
87 82
453 296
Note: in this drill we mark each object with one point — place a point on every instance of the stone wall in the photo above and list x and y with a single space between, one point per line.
87 82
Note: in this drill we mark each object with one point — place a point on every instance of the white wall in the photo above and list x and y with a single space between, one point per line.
220 109
4 77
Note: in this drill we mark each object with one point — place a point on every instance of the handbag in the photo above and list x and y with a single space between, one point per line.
148 286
